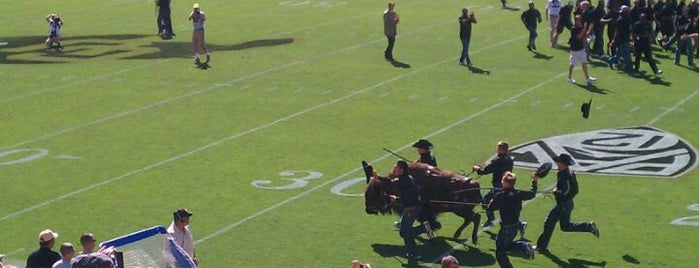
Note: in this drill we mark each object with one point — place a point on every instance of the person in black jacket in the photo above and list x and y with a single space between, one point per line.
409 197
509 203
566 189
164 21
497 166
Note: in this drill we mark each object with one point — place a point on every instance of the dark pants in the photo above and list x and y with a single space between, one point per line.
486 200
645 50
561 212
164 21
598 46
504 243
685 46
407 231
388 54
465 41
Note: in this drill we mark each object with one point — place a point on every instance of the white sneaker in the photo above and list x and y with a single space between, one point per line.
396 224
591 80
571 80
530 251
658 73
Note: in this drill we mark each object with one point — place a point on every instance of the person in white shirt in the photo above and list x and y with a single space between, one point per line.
197 16
180 233
553 9
67 254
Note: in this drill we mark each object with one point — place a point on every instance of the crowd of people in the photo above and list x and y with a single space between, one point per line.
502 197
105 257
631 29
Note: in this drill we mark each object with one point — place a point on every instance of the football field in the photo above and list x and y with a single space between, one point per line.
116 130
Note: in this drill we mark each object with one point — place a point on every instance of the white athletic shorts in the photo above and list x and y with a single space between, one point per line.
577 57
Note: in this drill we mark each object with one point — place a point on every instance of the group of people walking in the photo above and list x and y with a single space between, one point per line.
502 197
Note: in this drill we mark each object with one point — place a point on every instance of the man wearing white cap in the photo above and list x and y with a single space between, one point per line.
44 257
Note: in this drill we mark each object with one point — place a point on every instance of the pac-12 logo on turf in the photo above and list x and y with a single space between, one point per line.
632 151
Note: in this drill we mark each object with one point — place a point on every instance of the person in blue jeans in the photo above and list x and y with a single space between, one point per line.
509 203
685 32
409 197
564 192
466 22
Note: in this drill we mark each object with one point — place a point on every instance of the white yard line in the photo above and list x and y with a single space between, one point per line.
674 108
214 87
241 134
677 105
63 86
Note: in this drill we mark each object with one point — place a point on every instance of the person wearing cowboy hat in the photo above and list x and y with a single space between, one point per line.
564 192
424 148
44 256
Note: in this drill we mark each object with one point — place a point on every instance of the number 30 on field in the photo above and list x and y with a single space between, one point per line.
299 178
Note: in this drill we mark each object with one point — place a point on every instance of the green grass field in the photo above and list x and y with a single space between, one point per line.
117 130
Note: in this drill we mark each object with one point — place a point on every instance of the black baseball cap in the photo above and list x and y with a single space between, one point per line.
565 159
423 144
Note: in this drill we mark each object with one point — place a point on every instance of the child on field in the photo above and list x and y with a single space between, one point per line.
55 24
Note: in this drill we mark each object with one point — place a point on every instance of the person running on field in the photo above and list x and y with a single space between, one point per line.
566 189
531 17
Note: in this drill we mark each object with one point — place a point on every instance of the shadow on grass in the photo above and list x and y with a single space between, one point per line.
399 64
572 263
652 79
510 8
477 70
95 46
630 259
176 49
538 55
593 88
432 251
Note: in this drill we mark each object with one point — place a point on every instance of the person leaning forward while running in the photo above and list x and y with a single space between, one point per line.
509 203
566 189
409 197
497 166
390 29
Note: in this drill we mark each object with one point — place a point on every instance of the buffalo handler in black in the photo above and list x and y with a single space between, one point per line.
498 166
564 192
509 203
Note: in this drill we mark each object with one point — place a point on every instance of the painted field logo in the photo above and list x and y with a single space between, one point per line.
634 151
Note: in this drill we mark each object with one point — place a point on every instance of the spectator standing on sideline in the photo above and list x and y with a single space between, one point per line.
642 32
553 9
566 189
197 16
390 29
164 19
531 17
509 203
87 241
44 257
466 22
67 254
3 265
577 51
497 166
180 232
424 148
